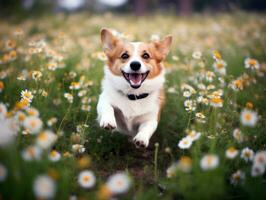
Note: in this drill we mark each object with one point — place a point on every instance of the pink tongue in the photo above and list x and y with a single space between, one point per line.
135 78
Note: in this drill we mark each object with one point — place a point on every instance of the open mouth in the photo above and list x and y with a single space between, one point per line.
135 79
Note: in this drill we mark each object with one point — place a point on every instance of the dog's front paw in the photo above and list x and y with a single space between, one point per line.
108 122
140 141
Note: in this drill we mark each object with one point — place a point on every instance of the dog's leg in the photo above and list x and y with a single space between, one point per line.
106 117
146 130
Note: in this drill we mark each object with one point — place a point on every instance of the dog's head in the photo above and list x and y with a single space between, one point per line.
134 61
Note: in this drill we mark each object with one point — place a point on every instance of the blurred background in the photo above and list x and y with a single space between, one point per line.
136 7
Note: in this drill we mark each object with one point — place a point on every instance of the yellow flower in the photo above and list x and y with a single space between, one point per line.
104 193
249 105
84 162
217 55
185 163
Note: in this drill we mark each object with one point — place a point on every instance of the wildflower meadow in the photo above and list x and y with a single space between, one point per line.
211 139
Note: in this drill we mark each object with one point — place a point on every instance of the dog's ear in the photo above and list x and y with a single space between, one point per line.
162 47
109 41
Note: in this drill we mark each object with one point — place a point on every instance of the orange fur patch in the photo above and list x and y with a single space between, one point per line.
115 63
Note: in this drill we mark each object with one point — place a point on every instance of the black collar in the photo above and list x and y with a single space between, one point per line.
136 97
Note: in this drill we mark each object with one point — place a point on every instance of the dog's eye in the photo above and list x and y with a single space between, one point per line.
125 56
145 56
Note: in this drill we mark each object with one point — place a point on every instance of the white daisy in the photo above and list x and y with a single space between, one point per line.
171 171
44 187
190 105
220 67
26 94
8 132
3 173
78 148
251 63
260 158
209 161
118 183
247 154
216 102
86 108
231 152
86 179
248 118
69 97
193 135
257 170
237 177
197 55
237 134
32 112
185 143
20 117
200 117
31 153
36 75
33 124
54 156
74 86
46 139
186 93
50 122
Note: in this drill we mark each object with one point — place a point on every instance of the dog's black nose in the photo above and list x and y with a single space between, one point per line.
135 65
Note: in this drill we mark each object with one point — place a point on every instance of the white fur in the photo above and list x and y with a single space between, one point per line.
143 112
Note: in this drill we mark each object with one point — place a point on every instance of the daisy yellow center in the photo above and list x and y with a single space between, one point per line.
33 123
119 183
75 84
185 142
247 154
27 94
217 55
21 117
220 65
31 112
42 137
216 100
237 177
53 153
248 116
31 152
252 62
238 83
231 149
86 178
209 160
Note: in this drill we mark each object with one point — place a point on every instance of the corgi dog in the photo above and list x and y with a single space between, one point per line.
132 89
